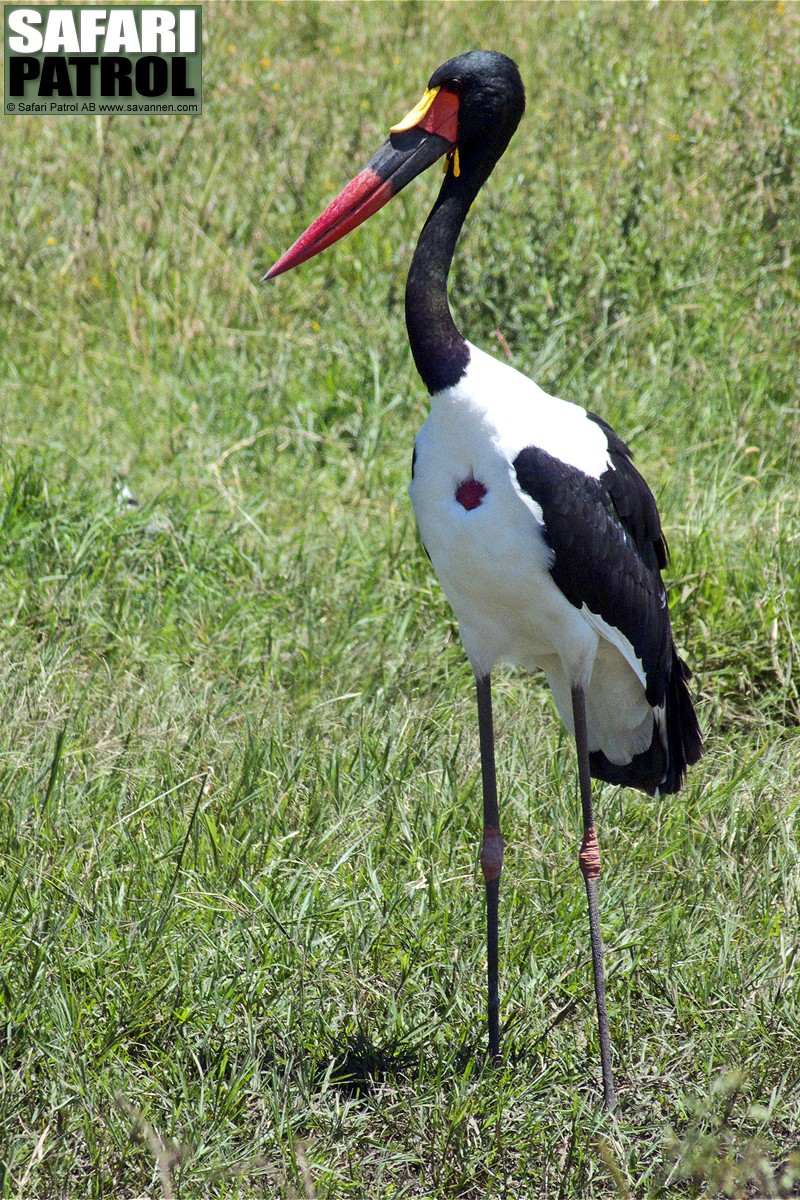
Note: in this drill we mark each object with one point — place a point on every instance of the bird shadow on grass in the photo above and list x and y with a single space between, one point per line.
360 1064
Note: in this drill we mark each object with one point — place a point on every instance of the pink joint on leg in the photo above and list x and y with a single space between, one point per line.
590 854
492 854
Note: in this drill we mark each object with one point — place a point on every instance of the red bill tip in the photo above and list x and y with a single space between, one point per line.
362 197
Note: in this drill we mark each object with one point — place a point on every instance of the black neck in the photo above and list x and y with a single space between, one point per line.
440 351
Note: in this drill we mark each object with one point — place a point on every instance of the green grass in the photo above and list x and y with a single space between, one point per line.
242 923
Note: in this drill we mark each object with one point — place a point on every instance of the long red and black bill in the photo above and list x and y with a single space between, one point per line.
411 148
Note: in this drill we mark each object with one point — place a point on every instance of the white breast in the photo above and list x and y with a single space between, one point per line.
492 561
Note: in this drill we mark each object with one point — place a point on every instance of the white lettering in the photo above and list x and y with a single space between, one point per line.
114 30
20 21
158 32
92 27
187 26
61 33
121 33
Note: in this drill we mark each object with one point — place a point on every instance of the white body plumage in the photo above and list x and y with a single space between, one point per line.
493 559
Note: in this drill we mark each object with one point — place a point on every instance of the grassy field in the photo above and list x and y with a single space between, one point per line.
242 917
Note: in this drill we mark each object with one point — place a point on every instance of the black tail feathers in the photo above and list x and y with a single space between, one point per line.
684 742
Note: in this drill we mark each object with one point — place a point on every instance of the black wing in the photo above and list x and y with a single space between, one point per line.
605 535
632 499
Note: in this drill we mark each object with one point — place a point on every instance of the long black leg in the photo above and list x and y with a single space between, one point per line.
491 855
590 868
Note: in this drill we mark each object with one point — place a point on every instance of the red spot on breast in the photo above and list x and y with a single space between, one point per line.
469 493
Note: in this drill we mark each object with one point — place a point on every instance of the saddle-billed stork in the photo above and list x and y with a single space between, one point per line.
545 537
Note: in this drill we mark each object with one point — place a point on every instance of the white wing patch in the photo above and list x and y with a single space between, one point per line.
613 635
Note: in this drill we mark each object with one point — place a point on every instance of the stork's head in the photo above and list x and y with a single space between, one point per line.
491 100
472 105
